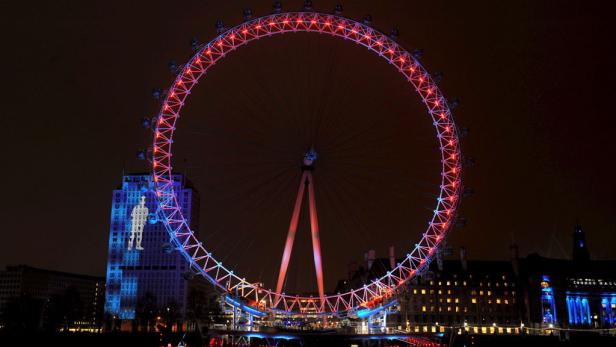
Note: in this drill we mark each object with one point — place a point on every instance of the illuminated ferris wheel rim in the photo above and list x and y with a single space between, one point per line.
335 25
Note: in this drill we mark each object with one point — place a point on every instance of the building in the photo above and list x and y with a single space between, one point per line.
569 293
145 276
55 300
479 294
533 294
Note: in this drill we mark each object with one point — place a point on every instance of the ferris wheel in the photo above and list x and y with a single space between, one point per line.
253 295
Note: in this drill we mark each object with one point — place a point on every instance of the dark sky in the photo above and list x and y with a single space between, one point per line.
535 79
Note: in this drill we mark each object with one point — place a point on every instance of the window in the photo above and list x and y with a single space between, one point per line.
474 300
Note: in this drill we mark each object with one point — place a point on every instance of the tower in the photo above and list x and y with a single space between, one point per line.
580 248
141 264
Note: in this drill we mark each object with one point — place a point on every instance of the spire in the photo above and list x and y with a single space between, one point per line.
580 248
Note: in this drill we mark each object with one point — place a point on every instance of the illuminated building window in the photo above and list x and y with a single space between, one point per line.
506 302
457 309
498 301
481 292
440 291
448 300
448 283
489 293
423 308
457 300
431 291
448 308
449 291
423 291
474 300
464 283
414 291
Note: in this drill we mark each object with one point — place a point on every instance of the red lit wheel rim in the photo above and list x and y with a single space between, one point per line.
252 294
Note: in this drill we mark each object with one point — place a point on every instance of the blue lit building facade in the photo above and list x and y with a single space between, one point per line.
140 262
571 293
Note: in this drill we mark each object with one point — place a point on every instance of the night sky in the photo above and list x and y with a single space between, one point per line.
535 79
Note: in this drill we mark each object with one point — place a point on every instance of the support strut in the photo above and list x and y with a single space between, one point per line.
305 182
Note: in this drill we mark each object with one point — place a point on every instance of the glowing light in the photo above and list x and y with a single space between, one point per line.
393 54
